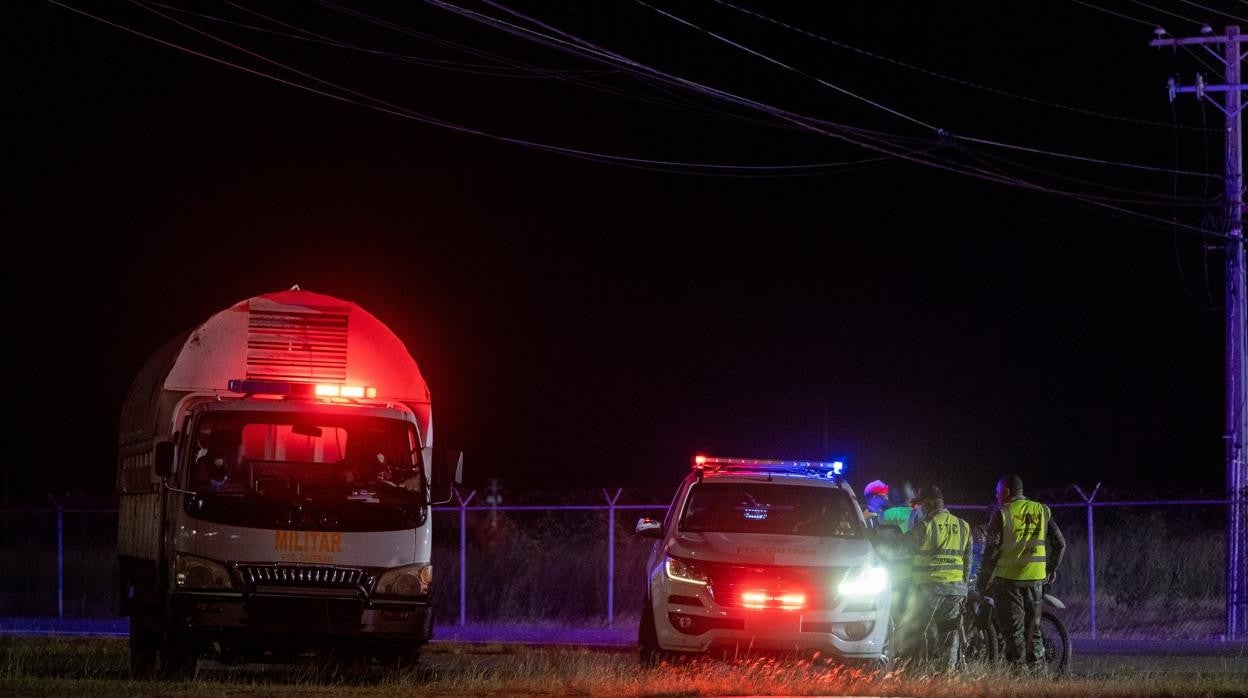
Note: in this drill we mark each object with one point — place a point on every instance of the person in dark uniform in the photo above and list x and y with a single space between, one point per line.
1023 550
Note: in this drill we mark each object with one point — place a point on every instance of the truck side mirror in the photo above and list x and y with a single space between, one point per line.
454 461
649 528
448 472
164 459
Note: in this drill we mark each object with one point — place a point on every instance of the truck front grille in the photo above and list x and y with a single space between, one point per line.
301 576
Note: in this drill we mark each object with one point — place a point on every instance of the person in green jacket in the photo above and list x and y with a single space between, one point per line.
899 508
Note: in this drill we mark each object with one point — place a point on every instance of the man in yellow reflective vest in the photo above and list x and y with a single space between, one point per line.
1023 551
941 545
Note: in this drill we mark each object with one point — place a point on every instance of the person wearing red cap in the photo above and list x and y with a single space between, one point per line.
875 494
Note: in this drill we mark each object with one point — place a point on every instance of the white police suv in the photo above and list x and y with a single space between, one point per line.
764 555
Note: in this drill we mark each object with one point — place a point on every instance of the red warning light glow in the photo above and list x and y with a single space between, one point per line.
789 601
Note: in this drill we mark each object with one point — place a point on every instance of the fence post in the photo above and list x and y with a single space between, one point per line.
1091 557
611 553
60 557
463 552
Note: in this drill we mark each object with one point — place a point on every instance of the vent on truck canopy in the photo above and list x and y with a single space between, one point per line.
296 344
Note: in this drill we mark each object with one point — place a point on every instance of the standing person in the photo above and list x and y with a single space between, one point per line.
875 494
898 514
899 507
1023 550
941 545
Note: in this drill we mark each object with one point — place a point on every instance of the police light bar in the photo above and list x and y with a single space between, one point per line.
701 462
283 388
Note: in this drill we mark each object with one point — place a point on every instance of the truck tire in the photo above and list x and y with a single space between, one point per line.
144 644
406 658
177 656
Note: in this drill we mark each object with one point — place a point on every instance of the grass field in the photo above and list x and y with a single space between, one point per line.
97 667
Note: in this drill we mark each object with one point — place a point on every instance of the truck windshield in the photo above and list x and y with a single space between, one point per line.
747 507
306 455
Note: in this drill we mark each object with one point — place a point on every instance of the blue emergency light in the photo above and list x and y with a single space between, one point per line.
257 387
834 468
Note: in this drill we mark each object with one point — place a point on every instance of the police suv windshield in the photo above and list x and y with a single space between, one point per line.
763 507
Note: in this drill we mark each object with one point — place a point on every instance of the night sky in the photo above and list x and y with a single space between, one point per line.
584 324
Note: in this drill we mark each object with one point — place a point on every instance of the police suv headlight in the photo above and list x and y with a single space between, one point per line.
194 572
684 571
406 581
864 581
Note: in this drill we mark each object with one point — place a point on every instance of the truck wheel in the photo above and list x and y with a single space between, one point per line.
647 638
406 658
177 656
144 644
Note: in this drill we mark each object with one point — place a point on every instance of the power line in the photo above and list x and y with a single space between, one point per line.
939 131
832 86
675 101
384 107
1149 198
856 136
1167 12
574 43
942 76
577 44
1213 10
1116 14
313 37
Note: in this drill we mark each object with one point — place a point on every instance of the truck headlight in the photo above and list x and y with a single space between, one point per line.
684 571
864 581
408 581
194 572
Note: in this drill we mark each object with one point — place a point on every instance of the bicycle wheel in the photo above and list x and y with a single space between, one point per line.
1056 643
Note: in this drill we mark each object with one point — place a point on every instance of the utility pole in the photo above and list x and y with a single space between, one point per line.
1236 312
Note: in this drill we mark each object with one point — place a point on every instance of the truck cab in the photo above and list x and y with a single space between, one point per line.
760 554
275 477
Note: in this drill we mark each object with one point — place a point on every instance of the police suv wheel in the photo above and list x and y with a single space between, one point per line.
647 638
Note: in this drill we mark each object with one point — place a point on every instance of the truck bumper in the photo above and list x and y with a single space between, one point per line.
301 619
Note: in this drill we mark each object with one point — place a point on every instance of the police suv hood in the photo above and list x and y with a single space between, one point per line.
771 549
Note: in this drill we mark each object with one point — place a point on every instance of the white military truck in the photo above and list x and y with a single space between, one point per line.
764 555
274 476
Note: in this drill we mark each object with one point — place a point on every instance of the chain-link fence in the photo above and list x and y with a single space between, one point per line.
1159 567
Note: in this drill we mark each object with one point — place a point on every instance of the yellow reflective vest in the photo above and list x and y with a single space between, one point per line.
942 557
1024 555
